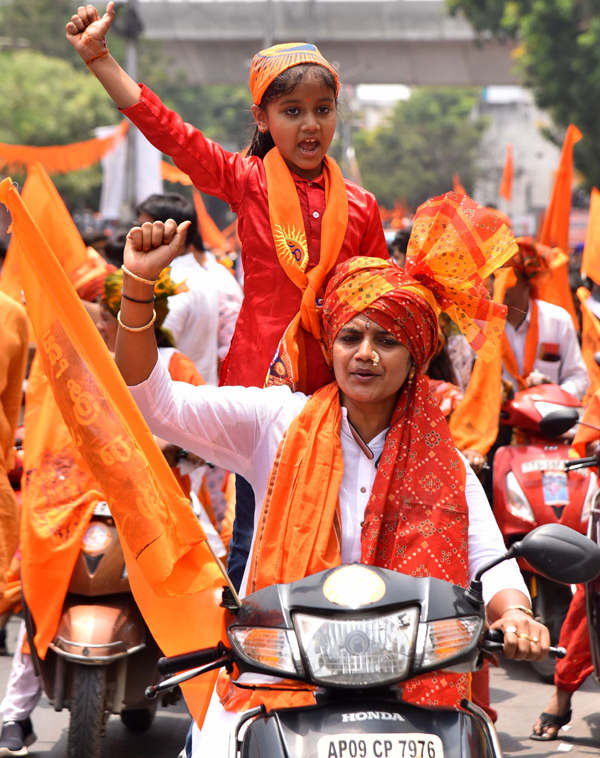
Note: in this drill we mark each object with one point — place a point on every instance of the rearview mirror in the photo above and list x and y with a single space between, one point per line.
559 553
559 422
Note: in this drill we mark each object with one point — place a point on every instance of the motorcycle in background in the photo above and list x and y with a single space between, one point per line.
102 654
354 634
532 486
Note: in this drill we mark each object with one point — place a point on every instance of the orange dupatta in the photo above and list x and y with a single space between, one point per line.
531 341
291 246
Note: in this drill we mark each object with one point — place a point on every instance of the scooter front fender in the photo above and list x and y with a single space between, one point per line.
370 729
97 633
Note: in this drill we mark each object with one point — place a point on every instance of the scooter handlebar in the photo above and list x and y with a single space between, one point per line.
575 463
494 641
185 661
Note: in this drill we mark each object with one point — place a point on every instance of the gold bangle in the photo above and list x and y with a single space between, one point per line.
136 328
523 608
137 278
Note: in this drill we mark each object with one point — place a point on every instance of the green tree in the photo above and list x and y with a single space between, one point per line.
426 139
558 57
46 101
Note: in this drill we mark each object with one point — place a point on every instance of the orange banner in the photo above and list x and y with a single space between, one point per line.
555 231
457 185
60 159
174 577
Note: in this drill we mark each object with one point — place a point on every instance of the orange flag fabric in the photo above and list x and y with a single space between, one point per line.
506 183
58 498
555 288
50 214
175 579
457 185
555 231
61 159
590 342
212 237
590 261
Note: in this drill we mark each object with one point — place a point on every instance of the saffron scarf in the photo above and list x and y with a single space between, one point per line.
531 343
287 226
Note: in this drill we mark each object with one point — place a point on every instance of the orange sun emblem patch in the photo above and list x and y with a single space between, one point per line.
291 246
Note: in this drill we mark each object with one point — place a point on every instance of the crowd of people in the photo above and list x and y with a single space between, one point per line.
332 394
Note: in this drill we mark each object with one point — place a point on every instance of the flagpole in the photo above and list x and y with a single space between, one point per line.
132 30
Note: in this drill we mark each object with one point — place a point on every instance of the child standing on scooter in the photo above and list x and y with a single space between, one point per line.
297 216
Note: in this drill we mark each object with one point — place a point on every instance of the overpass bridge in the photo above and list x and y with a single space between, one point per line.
410 42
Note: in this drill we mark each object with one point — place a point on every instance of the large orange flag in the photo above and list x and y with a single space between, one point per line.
555 231
555 288
590 261
50 214
173 575
506 182
590 342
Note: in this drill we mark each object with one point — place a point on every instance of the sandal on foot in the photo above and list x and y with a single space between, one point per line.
550 719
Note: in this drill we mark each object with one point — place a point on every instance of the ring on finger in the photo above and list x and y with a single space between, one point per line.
511 630
524 636
535 639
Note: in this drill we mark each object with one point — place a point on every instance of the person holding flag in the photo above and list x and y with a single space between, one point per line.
327 465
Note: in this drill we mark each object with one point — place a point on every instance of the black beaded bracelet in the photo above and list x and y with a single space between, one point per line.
133 300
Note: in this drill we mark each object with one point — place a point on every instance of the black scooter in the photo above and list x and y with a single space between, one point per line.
355 633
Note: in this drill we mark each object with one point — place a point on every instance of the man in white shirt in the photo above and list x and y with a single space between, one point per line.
556 356
194 315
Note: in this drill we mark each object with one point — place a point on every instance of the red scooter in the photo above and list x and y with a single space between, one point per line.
531 487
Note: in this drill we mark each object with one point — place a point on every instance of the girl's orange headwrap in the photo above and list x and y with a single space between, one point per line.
268 64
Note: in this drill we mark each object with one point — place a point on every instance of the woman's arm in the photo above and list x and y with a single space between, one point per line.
86 32
149 249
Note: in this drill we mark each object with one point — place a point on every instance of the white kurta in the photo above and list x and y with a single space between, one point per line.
240 428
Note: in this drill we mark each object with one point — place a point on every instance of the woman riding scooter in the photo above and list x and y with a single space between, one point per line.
364 469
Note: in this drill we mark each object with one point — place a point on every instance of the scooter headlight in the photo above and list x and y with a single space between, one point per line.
438 641
518 504
358 652
275 649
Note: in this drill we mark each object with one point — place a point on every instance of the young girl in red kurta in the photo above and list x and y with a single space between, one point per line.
297 215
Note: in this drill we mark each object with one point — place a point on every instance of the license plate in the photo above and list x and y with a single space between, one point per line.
102 509
543 465
395 745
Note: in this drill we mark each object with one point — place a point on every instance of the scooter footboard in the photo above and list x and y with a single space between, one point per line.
369 729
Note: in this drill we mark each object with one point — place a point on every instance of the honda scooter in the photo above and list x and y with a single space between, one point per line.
355 633
102 654
531 487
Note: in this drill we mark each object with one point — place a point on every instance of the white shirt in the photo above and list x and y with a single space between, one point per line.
555 327
230 301
240 428
194 315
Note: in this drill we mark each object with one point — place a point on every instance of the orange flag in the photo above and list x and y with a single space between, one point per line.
50 214
457 185
208 229
506 182
584 434
58 498
555 288
555 232
590 261
175 579
61 159
590 341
